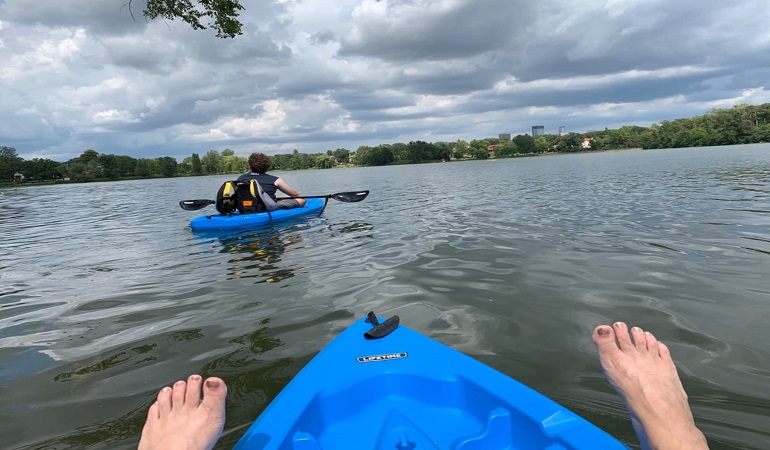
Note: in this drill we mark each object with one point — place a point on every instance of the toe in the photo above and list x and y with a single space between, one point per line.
664 352
604 338
164 402
652 342
178 395
214 393
624 339
639 338
153 413
193 398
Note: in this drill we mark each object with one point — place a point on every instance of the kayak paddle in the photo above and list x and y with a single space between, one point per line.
346 197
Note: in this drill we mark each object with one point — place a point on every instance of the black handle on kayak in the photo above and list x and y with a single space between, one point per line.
380 330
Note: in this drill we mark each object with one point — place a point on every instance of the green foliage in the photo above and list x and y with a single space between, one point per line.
741 124
143 168
524 143
342 155
40 169
377 156
10 163
167 166
325 161
479 153
507 150
222 15
8 152
196 164
211 162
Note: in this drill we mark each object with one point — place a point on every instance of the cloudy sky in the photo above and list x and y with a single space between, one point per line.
316 75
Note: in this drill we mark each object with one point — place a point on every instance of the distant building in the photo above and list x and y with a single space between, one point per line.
562 130
538 130
504 136
587 142
492 147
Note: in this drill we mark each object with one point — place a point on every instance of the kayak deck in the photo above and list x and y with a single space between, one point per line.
237 221
407 391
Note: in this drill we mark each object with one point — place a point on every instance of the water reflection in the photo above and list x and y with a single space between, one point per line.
256 254
253 380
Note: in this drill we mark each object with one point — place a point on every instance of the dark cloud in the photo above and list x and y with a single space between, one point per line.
407 32
81 74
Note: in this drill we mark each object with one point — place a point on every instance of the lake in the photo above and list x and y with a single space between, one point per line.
106 295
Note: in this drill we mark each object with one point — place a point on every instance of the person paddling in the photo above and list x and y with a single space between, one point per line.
259 164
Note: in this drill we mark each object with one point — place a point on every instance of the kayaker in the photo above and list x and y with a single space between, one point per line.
259 164
637 366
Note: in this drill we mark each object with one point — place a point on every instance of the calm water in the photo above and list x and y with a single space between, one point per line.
106 295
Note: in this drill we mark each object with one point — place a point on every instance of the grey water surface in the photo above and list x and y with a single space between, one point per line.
106 295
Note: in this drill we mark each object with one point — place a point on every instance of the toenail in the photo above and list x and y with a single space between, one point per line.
618 324
603 331
166 389
195 378
636 329
212 384
179 383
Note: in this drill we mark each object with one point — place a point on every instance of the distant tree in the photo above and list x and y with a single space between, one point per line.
282 162
41 169
211 163
525 143
460 149
400 152
507 150
109 166
196 165
88 156
10 162
143 168
8 152
442 151
126 165
377 156
479 153
167 166
301 161
325 161
222 15
342 155
230 163
420 151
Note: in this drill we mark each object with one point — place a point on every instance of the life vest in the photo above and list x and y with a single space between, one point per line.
244 196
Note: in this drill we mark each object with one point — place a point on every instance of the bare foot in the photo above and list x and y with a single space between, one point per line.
641 370
180 420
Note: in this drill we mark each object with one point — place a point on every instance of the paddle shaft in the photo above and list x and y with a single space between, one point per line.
346 197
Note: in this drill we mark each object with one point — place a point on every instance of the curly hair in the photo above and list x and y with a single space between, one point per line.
259 163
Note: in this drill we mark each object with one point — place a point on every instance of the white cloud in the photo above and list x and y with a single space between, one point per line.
316 75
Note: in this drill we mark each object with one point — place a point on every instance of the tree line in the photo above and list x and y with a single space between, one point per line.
741 124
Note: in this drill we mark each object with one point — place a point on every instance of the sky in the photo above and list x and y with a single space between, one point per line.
319 75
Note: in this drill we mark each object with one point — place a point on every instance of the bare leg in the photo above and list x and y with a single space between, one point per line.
641 370
180 420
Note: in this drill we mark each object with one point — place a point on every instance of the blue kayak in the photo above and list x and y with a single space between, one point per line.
407 391
238 221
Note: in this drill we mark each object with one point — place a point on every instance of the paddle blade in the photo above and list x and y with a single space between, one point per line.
350 197
194 205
